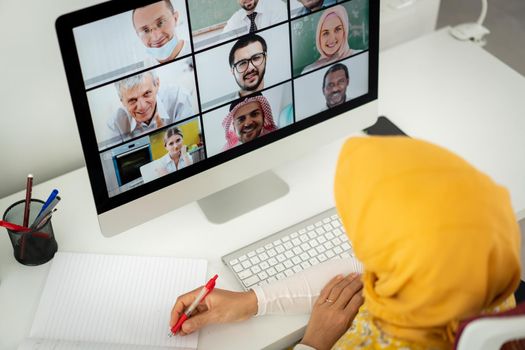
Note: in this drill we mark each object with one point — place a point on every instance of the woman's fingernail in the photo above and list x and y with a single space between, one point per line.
338 277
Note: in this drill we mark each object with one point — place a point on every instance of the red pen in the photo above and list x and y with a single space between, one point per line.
203 293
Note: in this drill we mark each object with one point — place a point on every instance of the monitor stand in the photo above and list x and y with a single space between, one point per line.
231 202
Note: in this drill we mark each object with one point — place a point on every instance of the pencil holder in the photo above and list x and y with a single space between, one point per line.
34 246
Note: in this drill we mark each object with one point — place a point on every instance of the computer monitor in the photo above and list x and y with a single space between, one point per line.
185 100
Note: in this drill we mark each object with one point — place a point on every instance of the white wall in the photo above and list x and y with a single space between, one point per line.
38 132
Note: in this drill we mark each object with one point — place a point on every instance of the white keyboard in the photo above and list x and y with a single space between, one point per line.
310 242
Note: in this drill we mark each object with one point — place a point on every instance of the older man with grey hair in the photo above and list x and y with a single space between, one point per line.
145 107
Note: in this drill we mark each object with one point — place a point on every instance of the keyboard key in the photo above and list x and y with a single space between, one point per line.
336 241
271 279
321 239
297 268
288 272
302 231
288 264
280 249
272 261
318 224
256 269
320 230
328 245
326 220
305 246
243 257
234 262
296 260
305 264
279 267
264 265
296 241
281 257
310 227
294 235
345 255
263 256
271 271
280 276
336 223
330 254
312 252
288 245
327 227
314 243
246 264
320 249
268 246
259 250
313 261
251 254
288 254
244 274
255 260
345 246
334 217
305 256
338 250
277 242
237 268
304 238
322 257
329 235
263 275
297 250
250 281
312 234
338 232
272 252
286 239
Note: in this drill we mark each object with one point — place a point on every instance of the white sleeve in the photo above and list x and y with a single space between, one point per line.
298 293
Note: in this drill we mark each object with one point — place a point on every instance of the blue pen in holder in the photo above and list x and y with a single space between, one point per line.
36 245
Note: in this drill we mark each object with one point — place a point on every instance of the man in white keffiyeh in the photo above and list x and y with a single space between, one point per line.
248 119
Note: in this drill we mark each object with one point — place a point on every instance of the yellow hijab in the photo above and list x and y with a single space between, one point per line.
438 239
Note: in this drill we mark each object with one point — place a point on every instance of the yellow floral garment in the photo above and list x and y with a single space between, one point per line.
365 335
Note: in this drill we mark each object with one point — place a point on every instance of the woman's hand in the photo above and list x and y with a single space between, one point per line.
220 306
334 311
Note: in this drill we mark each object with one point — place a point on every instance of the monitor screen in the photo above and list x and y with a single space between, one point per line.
165 90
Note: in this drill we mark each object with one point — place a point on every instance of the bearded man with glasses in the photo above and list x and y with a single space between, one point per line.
248 63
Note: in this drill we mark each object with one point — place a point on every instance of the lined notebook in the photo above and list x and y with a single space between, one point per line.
112 302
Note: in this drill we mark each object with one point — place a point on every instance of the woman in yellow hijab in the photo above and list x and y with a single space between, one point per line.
437 238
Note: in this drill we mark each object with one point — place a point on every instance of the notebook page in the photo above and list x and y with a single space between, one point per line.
115 299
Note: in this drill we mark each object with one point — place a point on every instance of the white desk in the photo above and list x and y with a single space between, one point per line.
424 88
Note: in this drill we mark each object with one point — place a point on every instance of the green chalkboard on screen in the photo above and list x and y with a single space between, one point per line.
206 13
303 33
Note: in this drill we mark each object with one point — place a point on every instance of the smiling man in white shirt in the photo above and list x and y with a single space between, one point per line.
255 15
146 108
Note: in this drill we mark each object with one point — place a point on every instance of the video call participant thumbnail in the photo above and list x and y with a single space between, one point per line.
310 6
335 84
155 25
177 156
331 37
256 14
249 118
248 63
145 107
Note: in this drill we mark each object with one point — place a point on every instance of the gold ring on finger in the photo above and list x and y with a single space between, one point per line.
329 300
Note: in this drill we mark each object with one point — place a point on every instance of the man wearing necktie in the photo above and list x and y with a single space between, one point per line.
255 15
